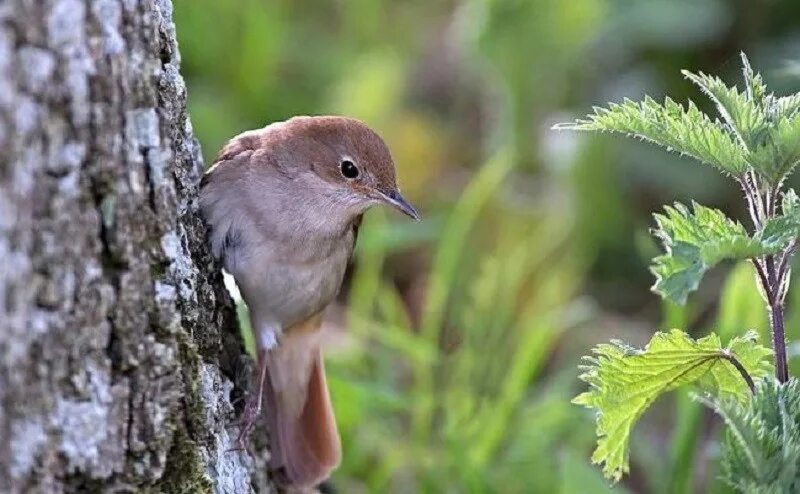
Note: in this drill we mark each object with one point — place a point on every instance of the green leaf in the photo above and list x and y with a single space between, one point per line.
778 152
685 130
766 126
787 106
759 131
625 381
695 241
761 450
742 114
754 84
781 230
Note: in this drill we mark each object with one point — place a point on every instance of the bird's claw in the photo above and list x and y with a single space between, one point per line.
252 409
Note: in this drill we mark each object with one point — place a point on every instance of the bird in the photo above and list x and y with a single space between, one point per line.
283 205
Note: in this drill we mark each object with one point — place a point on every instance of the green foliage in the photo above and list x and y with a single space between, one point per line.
696 240
741 111
782 230
778 151
761 451
758 142
759 131
625 382
787 105
685 130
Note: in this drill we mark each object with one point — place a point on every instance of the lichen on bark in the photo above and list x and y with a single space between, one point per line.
118 339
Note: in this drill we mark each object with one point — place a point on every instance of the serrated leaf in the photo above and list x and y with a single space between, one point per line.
787 106
752 356
743 116
790 203
781 230
760 132
685 130
624 382
694 241
778 151
767 127
761 449
756 89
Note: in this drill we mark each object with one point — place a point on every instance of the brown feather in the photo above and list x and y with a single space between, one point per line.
304 439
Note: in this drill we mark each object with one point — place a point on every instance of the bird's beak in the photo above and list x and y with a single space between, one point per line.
394 198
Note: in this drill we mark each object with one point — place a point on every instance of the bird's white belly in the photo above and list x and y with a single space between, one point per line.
281 294
294 293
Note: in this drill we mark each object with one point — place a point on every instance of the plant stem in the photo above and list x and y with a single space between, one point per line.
776 319
762 208
779 342
745 375
762 278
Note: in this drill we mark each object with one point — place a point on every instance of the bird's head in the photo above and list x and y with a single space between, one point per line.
350 159
320 172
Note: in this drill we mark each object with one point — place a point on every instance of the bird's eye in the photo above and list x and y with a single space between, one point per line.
349 169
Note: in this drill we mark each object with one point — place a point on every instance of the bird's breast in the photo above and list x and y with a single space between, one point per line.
284 283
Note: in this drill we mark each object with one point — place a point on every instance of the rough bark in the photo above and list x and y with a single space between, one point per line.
118 342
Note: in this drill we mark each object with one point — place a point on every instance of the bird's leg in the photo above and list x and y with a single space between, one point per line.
252 407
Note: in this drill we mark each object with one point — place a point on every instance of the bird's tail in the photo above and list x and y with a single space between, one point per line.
304 440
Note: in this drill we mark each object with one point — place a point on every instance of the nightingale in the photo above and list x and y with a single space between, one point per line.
283 205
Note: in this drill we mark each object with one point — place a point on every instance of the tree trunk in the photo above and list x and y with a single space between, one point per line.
118 341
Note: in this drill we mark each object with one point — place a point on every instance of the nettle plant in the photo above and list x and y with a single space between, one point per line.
755 141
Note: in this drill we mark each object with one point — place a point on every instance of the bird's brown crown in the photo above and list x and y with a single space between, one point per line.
322 144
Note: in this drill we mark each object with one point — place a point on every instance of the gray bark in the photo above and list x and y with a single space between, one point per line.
118 341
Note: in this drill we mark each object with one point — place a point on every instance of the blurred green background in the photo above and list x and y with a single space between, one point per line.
453 354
